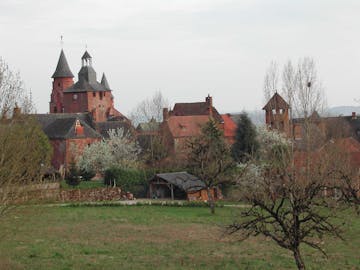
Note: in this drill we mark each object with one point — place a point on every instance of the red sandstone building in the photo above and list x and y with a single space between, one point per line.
80 112
185 121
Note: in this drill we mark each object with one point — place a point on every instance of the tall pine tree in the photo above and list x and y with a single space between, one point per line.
210 159
245 144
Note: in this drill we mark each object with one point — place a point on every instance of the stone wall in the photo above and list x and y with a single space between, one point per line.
93 195
53 192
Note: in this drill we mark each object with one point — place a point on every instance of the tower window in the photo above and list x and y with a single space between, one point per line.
101 95
104 94
75 97
94 94
58 84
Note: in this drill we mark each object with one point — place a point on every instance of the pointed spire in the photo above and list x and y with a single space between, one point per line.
86 55
62 68
104 82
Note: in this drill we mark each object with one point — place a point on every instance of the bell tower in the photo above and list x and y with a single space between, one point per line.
277 114
62 79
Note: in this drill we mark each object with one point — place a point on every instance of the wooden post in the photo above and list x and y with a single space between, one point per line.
172 191
150 190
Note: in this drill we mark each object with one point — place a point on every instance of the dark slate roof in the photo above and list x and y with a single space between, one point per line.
62 68
49 118
104 127
64 128
84 86
276 102
182 180
86 55
195 108
104 82
87 73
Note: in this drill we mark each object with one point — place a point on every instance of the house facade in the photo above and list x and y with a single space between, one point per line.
186 120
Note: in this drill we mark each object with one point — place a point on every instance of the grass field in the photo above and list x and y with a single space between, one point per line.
149 237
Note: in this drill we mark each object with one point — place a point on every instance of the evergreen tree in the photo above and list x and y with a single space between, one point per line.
210 158
246 144
73 175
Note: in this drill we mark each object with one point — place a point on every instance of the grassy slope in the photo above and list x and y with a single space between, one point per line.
148 237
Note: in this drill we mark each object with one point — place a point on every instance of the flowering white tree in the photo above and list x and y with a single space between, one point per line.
124 150
118 150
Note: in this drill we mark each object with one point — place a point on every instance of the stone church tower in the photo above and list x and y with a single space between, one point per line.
62 79
86 95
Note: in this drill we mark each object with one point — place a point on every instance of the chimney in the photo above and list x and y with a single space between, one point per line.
165 114
353 115
209 102
79 130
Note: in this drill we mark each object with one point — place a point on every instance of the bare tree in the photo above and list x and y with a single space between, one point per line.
12 92
148 114
286 205
149 108
271 80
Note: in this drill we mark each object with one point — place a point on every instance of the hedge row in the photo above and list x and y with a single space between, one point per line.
129 180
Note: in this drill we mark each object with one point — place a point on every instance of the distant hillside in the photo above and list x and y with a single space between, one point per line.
343 110
256 117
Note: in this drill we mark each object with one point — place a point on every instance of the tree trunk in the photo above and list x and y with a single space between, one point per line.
211 201
299 261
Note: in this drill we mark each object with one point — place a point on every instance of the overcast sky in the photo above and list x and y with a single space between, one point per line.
184 48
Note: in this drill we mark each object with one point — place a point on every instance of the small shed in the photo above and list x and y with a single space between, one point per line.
180 185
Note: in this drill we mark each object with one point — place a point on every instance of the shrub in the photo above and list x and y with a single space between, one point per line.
87 175
73 175
132 180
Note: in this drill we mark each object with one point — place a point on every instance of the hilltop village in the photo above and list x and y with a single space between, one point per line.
82 112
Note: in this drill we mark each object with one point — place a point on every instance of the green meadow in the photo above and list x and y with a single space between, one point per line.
151 237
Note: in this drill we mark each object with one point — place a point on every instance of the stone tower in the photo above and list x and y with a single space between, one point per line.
62 79
277 114
89 95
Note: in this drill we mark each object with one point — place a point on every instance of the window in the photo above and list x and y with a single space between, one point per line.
59 84
94 94
75 96
101 95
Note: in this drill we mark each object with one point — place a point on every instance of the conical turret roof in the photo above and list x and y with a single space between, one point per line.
104 82
62 68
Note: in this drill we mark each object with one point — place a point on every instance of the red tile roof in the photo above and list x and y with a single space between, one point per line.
195 108
276 102
186 126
